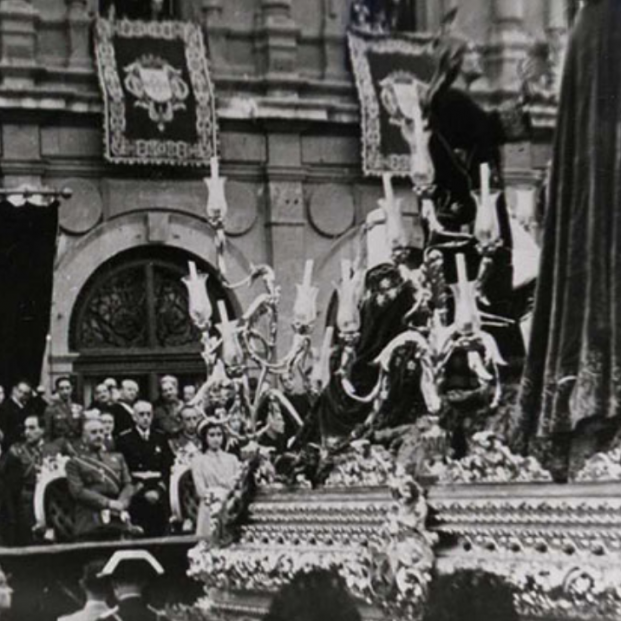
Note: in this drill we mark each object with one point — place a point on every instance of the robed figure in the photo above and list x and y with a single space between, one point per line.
571 389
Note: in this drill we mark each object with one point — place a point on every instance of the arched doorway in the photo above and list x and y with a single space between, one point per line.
131 321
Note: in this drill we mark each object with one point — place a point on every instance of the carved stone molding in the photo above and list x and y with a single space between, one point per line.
558 545
18 42
376 540
277 44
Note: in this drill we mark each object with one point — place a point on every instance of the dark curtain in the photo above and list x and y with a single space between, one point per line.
136 9
573 371
27 250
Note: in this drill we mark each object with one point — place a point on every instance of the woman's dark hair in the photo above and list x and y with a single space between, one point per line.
317 595
470 595
204 427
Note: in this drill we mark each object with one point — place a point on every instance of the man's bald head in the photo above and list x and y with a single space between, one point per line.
129 391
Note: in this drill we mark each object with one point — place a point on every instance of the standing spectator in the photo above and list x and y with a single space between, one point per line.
115 393
187 439
189 392
63 417
101 486
97 590
107 420
148 455
13 413
167 408
130 572
123 409
102 400
214 472
300 400
19 472
237 438
39 402
273 435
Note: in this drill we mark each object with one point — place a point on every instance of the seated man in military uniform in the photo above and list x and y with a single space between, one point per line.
149 457
101 485
19 472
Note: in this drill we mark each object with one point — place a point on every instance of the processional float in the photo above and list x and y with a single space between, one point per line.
366 516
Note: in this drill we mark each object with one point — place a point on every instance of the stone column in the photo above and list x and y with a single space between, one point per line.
334 41
556 15
557 26
285 222
78 25
18 42
215 31
508 43
278 45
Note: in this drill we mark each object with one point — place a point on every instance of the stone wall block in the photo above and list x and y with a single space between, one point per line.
18 43
79 27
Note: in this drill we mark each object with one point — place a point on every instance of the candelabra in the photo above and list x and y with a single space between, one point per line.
251 339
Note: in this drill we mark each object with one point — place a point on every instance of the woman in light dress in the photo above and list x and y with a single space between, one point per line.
214 472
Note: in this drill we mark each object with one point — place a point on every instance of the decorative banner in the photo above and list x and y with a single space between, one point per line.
158 96
391 75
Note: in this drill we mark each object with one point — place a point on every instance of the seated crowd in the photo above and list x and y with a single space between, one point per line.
119 453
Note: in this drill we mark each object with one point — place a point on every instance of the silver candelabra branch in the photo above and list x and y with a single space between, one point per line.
251 340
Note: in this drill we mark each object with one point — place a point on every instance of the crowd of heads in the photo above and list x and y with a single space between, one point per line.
151 436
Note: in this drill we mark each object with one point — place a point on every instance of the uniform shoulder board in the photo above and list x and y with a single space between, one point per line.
110 615
17 449
160 614
125 432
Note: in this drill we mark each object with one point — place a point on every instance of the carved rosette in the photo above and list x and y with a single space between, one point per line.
376 541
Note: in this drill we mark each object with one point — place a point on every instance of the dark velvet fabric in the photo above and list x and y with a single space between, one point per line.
573 370
464 136
27 249
335 414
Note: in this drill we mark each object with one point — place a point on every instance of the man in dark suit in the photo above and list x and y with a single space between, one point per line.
102 399
13 413
150 459
123 409
130 572
96 589
167 409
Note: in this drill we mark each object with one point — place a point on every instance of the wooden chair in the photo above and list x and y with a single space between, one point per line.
53 504
183 498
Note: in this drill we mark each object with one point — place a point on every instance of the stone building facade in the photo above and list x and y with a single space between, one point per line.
289 141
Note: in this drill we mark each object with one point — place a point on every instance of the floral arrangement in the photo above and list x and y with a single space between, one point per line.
602 467
391 571
491 461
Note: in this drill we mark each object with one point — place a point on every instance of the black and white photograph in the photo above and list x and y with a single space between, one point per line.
310 310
